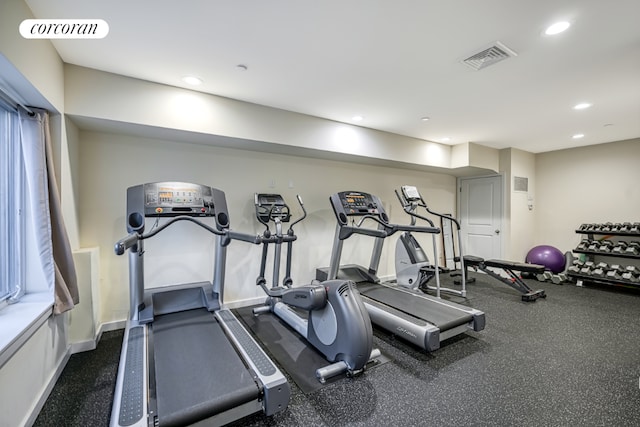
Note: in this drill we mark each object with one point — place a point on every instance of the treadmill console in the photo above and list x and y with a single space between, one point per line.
177 198
353 203
171 199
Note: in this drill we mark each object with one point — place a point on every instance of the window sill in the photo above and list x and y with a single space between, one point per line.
20 320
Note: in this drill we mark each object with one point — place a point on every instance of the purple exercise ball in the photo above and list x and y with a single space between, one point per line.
548 256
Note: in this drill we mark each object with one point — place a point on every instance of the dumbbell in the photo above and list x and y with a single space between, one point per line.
631 274
574 269
576 266
583 245
605 246
633 248
559 278
543 277
626 226
594 245
635 227
607 226
619 248
600 270
587 267
615 272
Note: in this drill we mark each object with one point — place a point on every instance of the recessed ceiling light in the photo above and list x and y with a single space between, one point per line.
357 118
581 106
578 136
192 80
557 28
425 119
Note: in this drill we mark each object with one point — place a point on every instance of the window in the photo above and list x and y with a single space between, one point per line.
12 206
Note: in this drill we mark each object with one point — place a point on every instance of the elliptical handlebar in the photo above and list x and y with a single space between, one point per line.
283 214
304 215
417 200
410 208
449 217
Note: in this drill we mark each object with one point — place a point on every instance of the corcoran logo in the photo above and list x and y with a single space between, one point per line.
64 29
406 332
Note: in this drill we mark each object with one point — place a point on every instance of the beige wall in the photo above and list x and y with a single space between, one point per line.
111 163
598 183
37 61
133 101
34 69
519 223
591 184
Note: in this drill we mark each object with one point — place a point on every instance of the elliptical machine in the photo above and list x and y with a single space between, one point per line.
413 268
337 324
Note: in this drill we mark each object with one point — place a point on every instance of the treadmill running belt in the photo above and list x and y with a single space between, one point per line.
434 312
198 372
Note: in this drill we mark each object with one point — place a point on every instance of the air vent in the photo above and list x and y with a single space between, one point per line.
520 183
489 56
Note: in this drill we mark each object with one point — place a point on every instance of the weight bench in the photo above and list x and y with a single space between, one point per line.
514 280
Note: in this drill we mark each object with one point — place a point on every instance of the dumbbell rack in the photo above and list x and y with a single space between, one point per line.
620 241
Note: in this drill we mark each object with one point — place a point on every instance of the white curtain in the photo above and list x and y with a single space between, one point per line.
52 243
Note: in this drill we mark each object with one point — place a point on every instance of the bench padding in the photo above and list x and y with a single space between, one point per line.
516 266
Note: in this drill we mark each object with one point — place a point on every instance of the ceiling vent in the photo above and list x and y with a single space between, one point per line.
489 56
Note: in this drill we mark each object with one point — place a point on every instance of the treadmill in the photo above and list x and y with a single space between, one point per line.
186 358
419 318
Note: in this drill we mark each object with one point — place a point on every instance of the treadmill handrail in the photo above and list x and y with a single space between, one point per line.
413 228
389 229
177 219
256 239
347 231
127 242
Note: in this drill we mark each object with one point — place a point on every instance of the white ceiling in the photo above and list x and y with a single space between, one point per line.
392 62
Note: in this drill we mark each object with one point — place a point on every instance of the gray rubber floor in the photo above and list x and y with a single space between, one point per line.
570 359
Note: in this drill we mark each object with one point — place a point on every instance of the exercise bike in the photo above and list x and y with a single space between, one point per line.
337 322
413 268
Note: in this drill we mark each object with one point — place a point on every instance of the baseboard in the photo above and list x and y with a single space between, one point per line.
88 345
48 388
111 326
245 302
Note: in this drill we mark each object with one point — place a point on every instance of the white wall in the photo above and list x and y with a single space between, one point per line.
111 163
594 184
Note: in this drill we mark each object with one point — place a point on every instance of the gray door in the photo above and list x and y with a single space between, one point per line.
481 211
